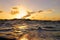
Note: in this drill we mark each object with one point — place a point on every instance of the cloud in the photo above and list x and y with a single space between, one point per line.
42 11
34 15
40 14
45 11
48 11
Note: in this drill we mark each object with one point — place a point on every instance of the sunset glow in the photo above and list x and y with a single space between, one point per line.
21 14
49 9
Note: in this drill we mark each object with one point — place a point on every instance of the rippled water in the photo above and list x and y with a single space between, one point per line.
30 30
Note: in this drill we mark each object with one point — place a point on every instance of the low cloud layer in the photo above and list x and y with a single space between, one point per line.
47 11
37 15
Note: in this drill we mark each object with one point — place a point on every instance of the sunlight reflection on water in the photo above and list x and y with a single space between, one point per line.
30 30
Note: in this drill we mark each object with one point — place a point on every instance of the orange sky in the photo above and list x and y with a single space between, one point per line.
50 9
44 15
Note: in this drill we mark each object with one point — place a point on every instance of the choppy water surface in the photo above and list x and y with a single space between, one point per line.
30 29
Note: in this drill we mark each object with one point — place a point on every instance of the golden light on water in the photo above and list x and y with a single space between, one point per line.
25 37
22 27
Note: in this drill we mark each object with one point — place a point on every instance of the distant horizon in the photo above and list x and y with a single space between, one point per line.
29 19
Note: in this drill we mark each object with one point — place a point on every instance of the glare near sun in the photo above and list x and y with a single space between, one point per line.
22 12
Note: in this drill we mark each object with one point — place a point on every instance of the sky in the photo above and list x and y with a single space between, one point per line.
50 8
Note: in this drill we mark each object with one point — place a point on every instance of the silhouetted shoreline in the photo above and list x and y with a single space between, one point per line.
29 20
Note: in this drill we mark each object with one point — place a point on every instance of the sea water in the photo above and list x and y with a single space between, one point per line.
34 29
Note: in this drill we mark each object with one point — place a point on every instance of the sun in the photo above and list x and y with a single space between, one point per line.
22 13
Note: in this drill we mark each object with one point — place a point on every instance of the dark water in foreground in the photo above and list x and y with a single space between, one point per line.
20 29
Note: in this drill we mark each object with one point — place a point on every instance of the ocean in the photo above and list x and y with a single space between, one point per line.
25 29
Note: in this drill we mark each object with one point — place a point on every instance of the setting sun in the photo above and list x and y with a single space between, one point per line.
21 14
